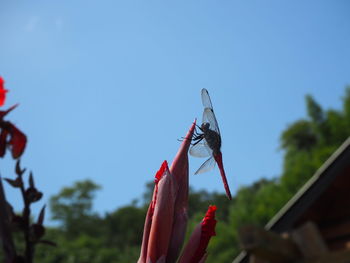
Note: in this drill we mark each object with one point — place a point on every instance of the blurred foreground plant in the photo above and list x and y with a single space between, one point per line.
10 222
166 219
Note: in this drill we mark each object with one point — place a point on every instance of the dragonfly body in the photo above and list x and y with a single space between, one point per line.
212 137
208 142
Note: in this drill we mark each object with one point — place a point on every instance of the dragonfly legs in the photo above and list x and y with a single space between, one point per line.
196 138
199 127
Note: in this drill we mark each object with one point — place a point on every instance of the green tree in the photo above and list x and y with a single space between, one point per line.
307 143
124 226
72 207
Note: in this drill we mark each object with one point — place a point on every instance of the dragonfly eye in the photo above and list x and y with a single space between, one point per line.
205 125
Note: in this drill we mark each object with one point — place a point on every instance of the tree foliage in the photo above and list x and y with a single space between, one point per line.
72 206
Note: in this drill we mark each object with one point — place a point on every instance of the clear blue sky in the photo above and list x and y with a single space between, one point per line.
106 87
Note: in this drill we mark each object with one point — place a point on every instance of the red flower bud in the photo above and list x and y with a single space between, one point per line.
166 217
195 250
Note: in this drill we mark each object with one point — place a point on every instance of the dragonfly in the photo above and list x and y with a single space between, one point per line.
207 142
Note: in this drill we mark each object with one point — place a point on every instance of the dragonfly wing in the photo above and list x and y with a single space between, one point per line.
206 166
201 149
206 99
209 117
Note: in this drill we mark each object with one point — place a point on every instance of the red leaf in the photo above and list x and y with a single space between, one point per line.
3 142
18 169
41 216
4 113
5 230
18 141
31 180
2 91
33 195
14 183
36 232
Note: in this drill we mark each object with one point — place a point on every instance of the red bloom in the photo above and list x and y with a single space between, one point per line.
2 91
166 218
195 250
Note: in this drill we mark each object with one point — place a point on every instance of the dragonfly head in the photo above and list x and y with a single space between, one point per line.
205 126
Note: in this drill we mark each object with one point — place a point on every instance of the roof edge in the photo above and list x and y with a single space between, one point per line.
308 184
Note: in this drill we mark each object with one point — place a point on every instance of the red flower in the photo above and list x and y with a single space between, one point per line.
195 250
166 218
10 135
2 91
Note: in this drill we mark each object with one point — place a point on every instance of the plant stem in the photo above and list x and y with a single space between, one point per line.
29 247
